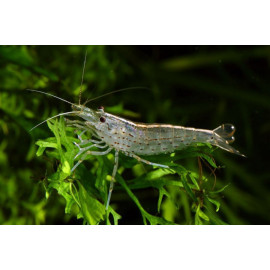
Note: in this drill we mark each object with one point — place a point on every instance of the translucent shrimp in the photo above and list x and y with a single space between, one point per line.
135 139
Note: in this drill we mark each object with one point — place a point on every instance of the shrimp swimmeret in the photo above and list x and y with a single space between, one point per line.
135 139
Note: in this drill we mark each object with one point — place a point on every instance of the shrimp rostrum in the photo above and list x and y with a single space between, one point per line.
135 139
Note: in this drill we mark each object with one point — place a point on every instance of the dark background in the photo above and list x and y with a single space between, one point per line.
197 86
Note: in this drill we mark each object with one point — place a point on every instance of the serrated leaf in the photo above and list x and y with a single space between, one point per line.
115 215
63 189
93 211
185 184
157 220
162 192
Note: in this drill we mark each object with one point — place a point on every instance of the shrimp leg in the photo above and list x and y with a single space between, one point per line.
84 142
75 123
94 153
145 161
82 150
71 122
116 158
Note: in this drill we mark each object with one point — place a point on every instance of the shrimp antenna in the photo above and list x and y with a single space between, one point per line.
50 119
32 90
115 91
80 95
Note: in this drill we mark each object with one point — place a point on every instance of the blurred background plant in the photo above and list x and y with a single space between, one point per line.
197 86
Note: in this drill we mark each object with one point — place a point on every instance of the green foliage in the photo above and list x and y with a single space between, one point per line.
197 86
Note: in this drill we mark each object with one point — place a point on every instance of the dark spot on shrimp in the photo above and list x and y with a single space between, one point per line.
102 119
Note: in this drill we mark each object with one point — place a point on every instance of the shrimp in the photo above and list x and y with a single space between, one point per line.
134 139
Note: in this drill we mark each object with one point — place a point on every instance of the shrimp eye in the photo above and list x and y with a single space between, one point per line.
102 119
101 108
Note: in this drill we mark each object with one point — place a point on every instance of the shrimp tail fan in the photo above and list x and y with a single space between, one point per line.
224 136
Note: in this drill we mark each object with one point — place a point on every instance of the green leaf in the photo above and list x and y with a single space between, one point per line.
197 217
43 144
63 189
93 211
115 215
185 184
102 172
216 203
46 144
203 215
162 192
220 190
66 168
194 181
214 219
209 159
200 214
40 151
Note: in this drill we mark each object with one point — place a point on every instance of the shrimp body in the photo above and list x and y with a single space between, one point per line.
153 139
135 139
